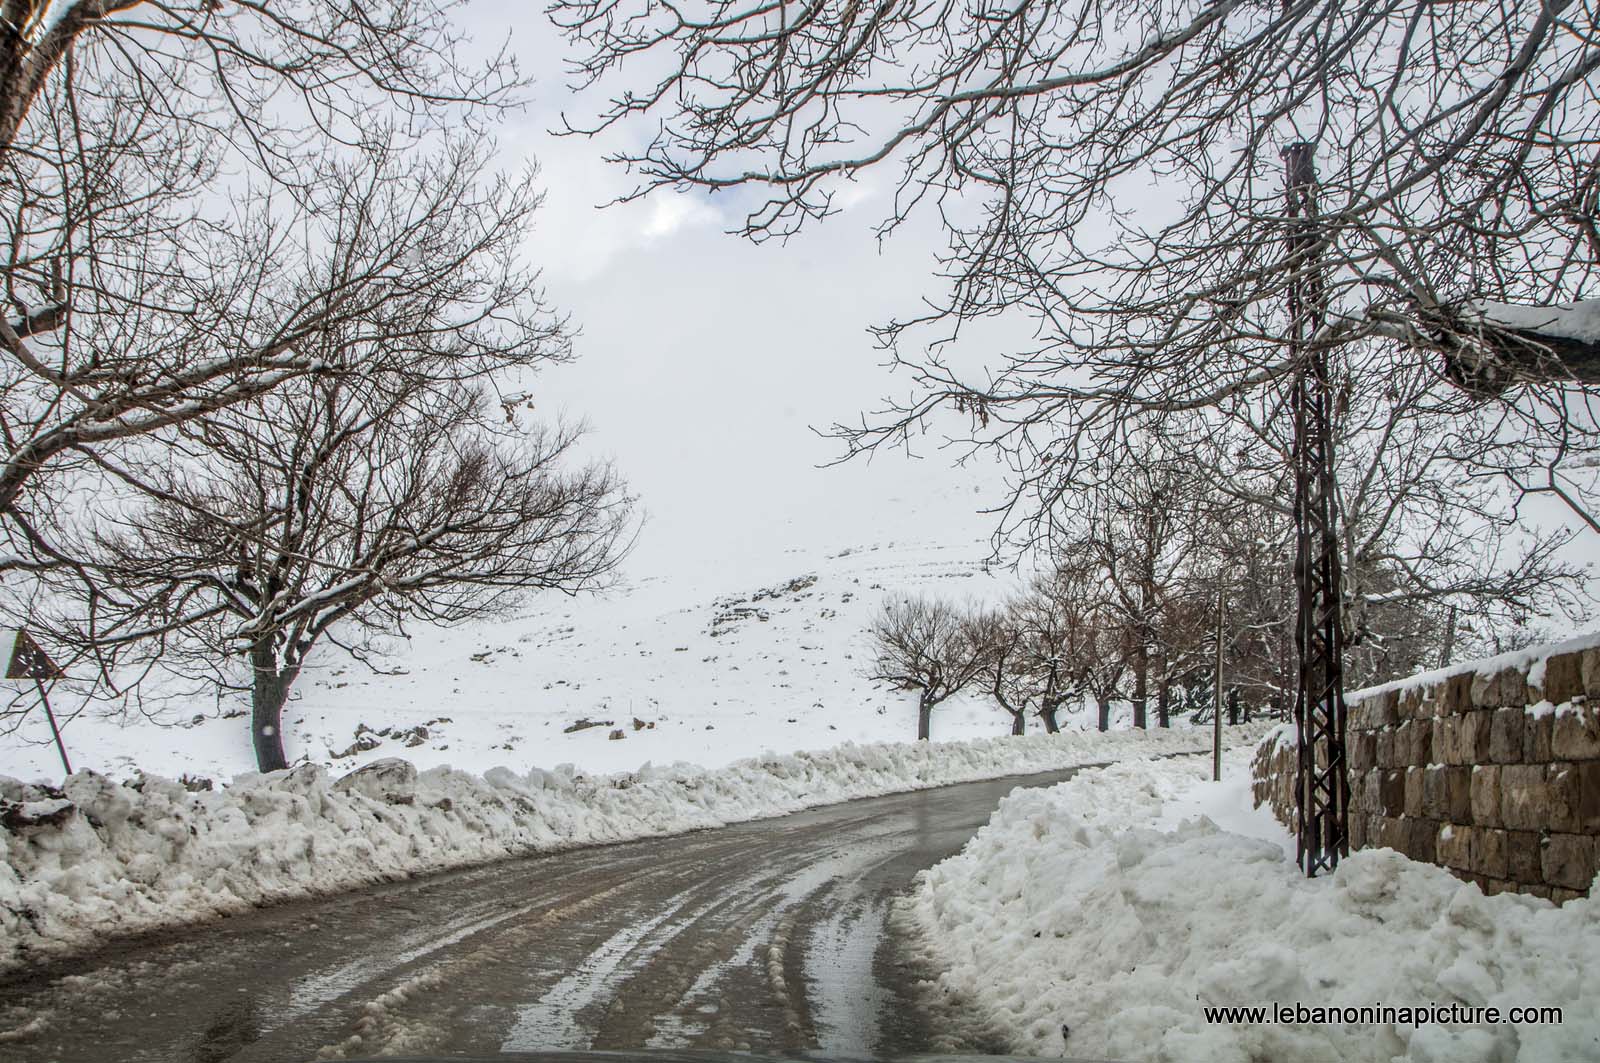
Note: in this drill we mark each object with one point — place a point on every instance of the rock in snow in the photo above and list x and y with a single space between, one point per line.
99 857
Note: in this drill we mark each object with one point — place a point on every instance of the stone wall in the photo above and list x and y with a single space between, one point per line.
1491 770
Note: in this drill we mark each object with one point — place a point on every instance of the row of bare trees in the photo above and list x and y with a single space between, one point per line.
1150 570
266 343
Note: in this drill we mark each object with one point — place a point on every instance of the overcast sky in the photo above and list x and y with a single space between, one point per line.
705 361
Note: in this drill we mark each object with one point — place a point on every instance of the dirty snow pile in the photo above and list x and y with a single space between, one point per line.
1114 908
98 857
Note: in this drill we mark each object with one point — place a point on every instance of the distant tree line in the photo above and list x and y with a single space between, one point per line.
1147 572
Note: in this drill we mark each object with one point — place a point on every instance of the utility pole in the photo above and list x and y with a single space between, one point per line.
1322 780
1449 638
1216 695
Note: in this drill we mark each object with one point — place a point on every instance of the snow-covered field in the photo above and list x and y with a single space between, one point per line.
1115 906
715 664
99 857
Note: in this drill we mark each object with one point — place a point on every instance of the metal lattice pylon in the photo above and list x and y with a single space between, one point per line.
1322 783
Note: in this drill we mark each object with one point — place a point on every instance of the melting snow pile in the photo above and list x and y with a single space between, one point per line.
1074 909
98 857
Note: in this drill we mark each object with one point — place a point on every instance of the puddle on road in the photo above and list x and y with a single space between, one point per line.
847 1003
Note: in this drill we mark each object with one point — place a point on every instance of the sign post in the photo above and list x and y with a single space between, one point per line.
25 659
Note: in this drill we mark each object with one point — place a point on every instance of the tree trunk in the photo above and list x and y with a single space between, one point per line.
1141 685
1105 712
1233 705
269 691
998 691
1047 713
1164 705
924 718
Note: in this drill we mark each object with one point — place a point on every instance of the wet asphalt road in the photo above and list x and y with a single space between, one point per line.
769 936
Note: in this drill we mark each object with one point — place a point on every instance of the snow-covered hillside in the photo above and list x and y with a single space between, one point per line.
707 666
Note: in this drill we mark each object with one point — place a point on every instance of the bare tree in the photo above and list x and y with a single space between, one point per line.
334 510
1001 640
1112 175
189 192
265 74
922 644
169 318
1062 619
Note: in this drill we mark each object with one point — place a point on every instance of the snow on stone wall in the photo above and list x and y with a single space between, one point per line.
1490 769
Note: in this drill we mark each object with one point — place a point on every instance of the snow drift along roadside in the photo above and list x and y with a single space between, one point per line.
97 857
1069 911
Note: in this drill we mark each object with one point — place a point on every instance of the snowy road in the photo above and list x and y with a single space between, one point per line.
771 935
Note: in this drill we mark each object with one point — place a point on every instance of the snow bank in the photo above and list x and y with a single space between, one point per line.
97 857
1066 912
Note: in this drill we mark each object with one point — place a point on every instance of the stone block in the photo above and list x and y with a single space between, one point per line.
1486 796
1358 830
1512 688
1406 705
1455 694
1575 734
1499 885
1522 796
1391 833
1446 738
1413 804
1563 799
1421 835
1536 735
1458 785
1563 677
1453 847
1508 686
1588 797
1523 856
1590 668
1567 861
1536 889
1473 738
1386 707
1435 795
1363 750
1486 691
1428 705
1505 735
1385 758
1488 852
1392 793
1363 792
1422 742
1562 896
